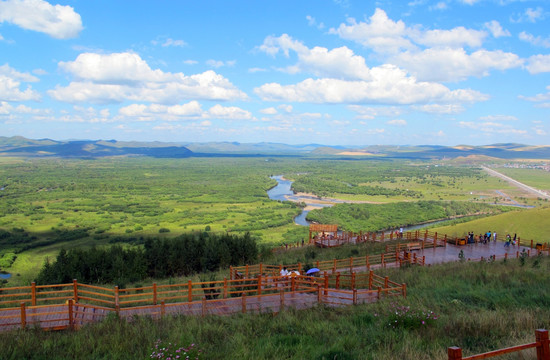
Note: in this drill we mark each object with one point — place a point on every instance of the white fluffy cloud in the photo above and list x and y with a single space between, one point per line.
269 111
535 40
454 64
218 63
492 127
543 100
430 54
388 85
493 118
397 122
189 111
496 29
10 85
384 35
380 33
457 37
339 63
368 113
538 64
119 77
439 108
58 21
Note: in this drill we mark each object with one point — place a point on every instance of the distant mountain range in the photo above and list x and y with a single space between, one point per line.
20 146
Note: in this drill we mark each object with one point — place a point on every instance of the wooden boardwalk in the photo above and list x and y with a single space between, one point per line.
263 294
74 315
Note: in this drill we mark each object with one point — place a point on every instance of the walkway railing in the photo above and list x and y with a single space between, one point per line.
352 264
541 344
72 305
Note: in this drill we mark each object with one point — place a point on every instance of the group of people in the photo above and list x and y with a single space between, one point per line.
285 272
482 238
490 236
510 240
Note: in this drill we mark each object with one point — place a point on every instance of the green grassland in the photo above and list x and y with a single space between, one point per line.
50 204
67 204
391 181
537 178
531 224
126 200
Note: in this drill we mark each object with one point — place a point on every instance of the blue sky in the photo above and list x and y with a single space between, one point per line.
334 72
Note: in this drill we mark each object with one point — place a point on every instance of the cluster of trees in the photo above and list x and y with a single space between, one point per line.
158 258
325 187
376 217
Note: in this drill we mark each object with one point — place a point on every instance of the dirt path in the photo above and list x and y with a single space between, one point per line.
516 183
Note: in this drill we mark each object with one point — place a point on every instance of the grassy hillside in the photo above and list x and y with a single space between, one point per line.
528 224
477 306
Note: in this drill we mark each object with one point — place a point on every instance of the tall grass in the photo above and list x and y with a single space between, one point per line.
479 307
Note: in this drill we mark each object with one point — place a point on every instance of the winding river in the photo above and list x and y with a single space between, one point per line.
283 192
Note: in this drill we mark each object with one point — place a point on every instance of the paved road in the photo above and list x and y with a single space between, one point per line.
520 185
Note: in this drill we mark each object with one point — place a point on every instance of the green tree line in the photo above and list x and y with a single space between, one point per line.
158 258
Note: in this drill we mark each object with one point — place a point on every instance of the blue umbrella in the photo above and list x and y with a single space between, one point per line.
312 270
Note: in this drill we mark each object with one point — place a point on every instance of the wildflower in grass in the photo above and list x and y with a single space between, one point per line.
174 352
405 317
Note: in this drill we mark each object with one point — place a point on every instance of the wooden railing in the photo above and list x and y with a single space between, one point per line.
541 344
76 303
357 264
331 240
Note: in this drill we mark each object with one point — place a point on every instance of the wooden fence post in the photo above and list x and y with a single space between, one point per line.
370 279
260 284
319 298
162 309
203 307
386 280
353 280
350 264
354 296
379 293
117 308
338 280
404 290
382 260
189 291
244 303
23 316
75 290
154 293
225 288
543 350
71 317
33 293
454 353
